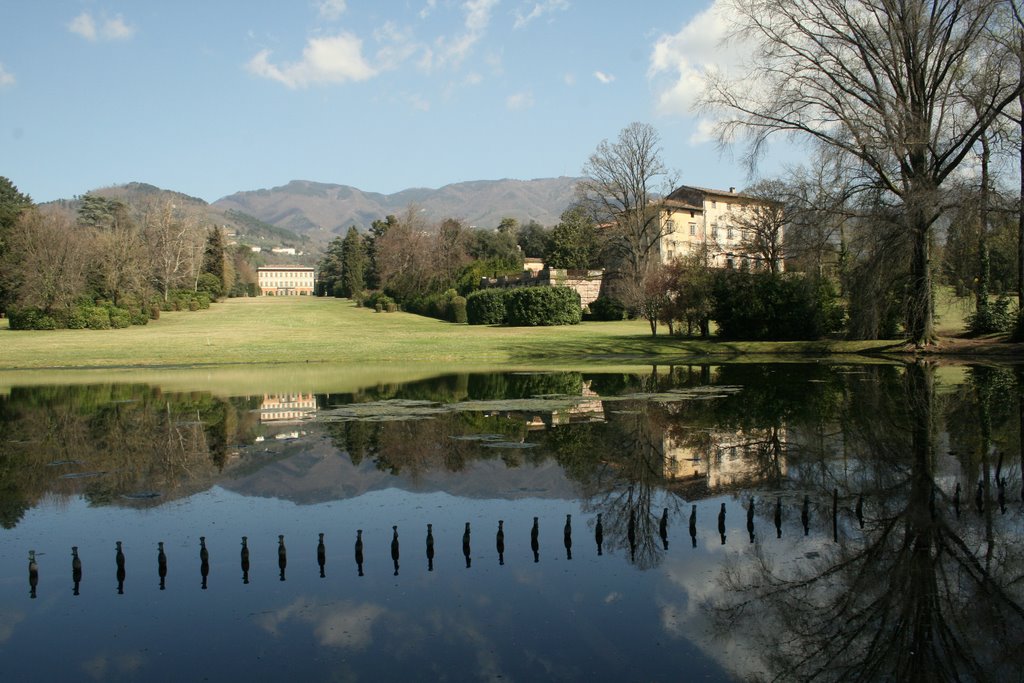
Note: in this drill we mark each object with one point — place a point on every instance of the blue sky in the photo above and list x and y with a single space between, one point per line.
213 97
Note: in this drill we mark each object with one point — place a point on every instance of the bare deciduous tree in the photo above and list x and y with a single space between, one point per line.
47 261
172 234
763 224
881 80
624 181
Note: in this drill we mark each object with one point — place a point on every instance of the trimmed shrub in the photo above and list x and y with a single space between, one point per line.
154 312
607 308
532 306
193 305
139 316
486 307
457 310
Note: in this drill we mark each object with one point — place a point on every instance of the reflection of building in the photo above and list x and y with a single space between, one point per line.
285 280
589 410
287 407
726 459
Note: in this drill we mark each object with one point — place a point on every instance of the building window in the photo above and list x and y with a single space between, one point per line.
714 231
728 234
670 225
714 204
693 229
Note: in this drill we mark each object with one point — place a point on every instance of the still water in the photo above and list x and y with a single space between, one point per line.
716 523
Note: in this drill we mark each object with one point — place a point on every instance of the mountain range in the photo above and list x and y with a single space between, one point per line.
323 211
308 214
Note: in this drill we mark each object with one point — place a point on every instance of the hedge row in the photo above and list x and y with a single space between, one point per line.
81 317
524 306
448 306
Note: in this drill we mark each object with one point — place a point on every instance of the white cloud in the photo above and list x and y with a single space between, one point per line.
679 61
330 9
6 77
519 101
569 79
115 28
335 59
478 18
428 9
84 25
538 10
603 77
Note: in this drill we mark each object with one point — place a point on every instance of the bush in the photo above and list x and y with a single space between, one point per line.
30 319
776 307
607 308
204 300
76 318
211 284
154 312
996 317
139 316
97 318
457 310
486 307
193 305
531 306
119 317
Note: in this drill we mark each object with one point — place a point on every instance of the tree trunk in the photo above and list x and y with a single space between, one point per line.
1019 334
921 316
984 270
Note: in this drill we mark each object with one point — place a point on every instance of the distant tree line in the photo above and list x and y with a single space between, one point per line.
429 268
110 263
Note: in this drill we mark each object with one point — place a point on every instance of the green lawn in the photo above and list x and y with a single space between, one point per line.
314 330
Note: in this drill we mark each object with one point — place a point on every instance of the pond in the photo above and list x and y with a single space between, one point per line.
719 522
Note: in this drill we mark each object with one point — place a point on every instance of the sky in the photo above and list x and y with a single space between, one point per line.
211 98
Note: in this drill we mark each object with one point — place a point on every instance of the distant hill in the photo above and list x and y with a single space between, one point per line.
248 229
323 211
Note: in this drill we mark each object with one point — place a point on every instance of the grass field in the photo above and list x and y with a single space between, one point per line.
314 330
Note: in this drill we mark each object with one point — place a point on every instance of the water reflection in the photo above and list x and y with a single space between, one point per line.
76 570
321 556
900 585
245 559
161 565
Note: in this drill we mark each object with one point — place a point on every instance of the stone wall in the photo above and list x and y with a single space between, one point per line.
586 283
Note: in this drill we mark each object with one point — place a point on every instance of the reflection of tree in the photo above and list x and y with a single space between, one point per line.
625 478
909 601
120 439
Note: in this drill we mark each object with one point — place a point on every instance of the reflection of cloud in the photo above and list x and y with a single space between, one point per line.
105 666
343 625
8 620
614 596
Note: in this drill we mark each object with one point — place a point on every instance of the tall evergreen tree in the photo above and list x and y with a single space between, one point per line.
330 268
354 261
12 203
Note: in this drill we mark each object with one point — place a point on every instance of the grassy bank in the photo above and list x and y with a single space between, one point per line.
289 330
